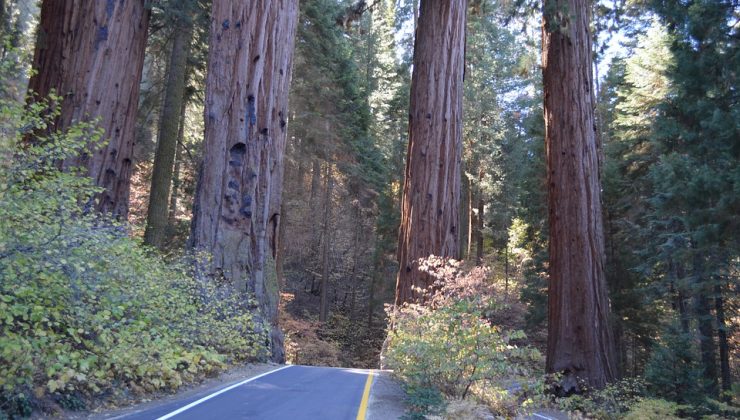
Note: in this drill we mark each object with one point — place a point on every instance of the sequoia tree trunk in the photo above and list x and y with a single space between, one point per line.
237 208
431 191
579 342
91 53
169 129
280 247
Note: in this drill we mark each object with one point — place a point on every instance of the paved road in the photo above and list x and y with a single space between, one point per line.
287 393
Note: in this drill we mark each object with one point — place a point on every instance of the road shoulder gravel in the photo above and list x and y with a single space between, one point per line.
386 398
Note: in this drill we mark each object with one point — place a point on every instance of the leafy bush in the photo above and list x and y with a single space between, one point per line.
448 343
652 409
422 401
465 409
84 308
612 402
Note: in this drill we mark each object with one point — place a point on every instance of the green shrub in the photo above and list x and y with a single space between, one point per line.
422 401
654 409
448 344
612 402
451 348
84 308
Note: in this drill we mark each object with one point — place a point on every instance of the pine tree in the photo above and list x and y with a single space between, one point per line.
672 372
671 164
697 142
631 101
170 125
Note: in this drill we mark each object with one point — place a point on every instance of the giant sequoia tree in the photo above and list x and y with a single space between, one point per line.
431 192
91 53
579 342
237 206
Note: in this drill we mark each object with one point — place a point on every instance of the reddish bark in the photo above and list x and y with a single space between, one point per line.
237 207
92 54
431 192
579 344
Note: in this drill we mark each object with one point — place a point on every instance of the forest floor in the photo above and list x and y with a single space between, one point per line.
343 341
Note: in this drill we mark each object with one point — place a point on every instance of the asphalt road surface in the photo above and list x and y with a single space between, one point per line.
286 393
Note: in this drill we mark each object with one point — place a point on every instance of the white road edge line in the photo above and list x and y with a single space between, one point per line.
208 397
542 417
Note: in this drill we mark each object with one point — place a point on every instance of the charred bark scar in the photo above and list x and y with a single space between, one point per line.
282 120
251 110
236 154
110 6
246 208
102 36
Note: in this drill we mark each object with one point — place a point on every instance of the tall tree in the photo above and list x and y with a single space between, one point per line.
579 342
91 53
237 206
431 192
169 129
697 171
630 100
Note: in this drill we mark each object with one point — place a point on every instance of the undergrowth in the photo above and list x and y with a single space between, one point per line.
85 310
448 345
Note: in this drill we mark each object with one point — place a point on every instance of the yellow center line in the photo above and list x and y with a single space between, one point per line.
365 397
